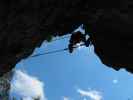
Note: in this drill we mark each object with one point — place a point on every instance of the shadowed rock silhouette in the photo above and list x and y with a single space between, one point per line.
78 37
30 22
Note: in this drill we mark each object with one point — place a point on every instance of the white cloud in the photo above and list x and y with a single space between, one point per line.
84 99
27 98
93 94
66 98
27 86
115 81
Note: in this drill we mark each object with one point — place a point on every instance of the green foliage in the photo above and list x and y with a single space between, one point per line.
48 37
14 98
87 29
38 98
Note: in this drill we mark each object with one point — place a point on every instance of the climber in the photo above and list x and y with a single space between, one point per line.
88 39
78 37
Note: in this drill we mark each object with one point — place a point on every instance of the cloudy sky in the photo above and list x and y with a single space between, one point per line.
27 86
64 76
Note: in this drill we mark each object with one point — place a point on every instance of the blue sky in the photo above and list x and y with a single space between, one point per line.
64 74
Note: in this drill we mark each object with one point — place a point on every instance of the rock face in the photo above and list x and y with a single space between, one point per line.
5 86
25 24
113 40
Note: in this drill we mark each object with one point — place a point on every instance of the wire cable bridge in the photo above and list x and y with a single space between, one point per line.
54 51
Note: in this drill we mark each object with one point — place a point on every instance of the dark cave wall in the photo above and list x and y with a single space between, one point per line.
25 24
113 40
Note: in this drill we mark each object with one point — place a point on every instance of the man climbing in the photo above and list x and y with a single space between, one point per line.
78 37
